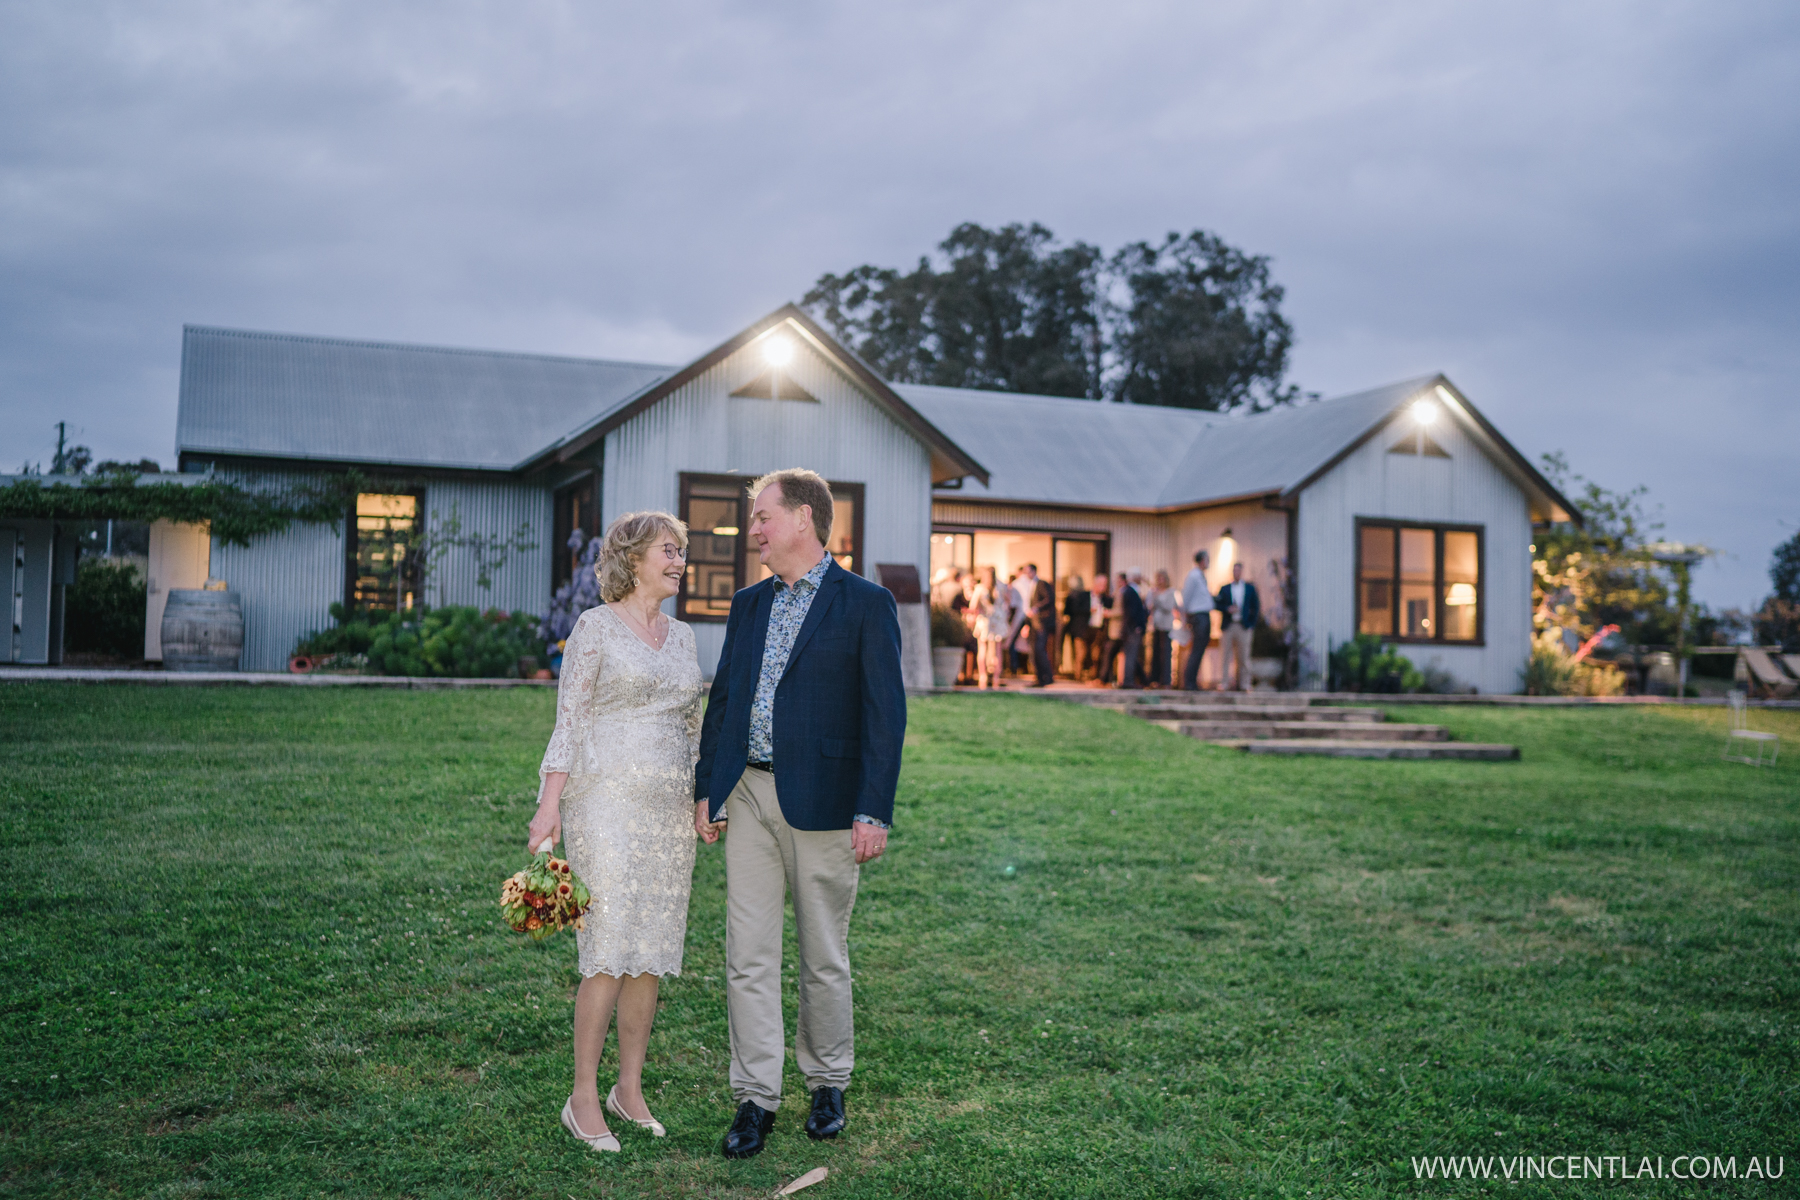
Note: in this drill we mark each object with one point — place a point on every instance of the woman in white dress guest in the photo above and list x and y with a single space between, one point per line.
993 615
618 791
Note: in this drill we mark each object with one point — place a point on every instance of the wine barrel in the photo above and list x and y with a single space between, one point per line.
202 630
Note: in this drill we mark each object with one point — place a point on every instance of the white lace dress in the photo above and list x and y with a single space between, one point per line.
628 734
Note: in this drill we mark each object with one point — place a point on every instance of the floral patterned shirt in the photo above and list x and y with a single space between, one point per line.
787 613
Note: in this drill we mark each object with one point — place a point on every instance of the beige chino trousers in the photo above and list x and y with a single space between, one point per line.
1236 645
764 857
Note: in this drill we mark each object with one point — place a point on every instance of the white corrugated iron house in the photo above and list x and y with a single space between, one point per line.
924 476
1420 533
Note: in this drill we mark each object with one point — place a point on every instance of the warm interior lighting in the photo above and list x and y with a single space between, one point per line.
1424 412
777 351
1460 594
725 530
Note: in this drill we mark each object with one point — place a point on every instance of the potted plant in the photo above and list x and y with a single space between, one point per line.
948 634
1268 655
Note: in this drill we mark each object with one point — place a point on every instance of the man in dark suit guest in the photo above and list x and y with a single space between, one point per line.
1040 610
1242 612
1077 626
1137 619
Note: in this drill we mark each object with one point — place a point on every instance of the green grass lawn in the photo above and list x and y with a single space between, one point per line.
250 949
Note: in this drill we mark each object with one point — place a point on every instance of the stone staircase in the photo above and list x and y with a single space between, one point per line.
1289 723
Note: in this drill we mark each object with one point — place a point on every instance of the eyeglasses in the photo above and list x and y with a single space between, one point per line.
673 551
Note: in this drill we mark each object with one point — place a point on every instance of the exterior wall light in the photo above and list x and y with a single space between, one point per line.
778 351
1424 412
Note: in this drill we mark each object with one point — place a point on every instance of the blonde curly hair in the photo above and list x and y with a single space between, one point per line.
628 539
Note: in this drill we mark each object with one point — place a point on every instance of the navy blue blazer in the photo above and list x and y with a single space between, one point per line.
840 708
1251 615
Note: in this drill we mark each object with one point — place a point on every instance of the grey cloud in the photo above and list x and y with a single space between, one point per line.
1583 213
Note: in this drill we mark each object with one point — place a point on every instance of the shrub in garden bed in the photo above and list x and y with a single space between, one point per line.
455 641
104 609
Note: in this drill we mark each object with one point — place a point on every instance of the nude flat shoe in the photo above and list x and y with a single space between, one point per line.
604 1141
618 1110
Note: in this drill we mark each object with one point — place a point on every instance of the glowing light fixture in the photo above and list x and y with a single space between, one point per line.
1424 412
725 530
778 351
1460 594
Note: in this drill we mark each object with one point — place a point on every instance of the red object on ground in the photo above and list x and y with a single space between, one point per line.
300 664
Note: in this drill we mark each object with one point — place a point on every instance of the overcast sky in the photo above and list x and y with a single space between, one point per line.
1585 214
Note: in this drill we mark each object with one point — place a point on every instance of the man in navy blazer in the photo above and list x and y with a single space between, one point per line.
799 760
1242 611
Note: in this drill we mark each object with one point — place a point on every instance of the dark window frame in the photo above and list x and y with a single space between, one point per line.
1100 539
854 492
562 570
350 544
1438 530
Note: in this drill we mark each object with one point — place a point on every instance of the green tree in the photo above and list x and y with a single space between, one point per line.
1778 621
1600 573
1201 328
1191 322
1009 310
1784 570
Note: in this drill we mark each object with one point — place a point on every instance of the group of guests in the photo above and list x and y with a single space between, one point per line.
1122 632
1011 625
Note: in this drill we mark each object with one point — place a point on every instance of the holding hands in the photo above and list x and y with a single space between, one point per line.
708 830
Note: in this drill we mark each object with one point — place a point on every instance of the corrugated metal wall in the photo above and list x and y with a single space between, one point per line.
523 581
1258 535
287 581
845 437
1467 488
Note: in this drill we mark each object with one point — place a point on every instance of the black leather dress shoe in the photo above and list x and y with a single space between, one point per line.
827 1118
747 1134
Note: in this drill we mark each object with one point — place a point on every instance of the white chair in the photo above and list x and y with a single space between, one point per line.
1740 734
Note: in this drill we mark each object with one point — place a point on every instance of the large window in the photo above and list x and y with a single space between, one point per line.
1418 583
378 571
575 509
721 557
1060 557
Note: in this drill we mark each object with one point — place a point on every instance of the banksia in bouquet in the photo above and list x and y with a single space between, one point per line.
543 898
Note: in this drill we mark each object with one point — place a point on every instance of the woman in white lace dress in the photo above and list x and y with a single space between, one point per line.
618 791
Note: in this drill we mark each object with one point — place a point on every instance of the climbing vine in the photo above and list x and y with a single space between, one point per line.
235 513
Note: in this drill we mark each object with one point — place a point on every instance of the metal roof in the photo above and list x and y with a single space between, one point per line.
276 395
1083 453
285 396
1052 450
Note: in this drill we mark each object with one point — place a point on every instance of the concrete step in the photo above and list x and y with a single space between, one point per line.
1171 696
1246 712
1334 748
1231 731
